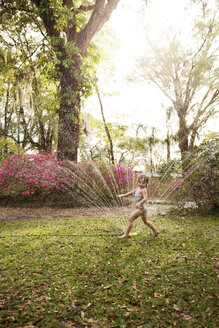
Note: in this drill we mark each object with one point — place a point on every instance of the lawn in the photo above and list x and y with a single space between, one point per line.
60 280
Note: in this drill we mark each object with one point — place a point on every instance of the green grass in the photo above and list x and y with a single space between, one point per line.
104 281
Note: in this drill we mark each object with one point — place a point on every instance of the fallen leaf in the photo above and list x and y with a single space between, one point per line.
107 287
186 317
158 295
69 324
176 307
87 306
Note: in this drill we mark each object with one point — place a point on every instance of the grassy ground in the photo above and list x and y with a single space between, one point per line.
103 281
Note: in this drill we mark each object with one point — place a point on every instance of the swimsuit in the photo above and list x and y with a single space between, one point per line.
143 207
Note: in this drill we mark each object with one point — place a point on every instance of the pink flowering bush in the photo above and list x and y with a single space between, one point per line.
24 174
99 182
201 178
83 183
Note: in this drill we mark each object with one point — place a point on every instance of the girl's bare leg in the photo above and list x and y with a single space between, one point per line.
149 224
132 218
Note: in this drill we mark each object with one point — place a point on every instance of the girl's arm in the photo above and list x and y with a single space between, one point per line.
127 194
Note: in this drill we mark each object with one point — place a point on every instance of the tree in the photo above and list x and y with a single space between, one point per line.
70 26
188 78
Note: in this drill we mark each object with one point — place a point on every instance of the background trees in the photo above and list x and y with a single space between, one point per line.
47 66
27 108
28 90
34 101
186 77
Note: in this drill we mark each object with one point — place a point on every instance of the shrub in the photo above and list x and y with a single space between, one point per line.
43 174
30 174
201 178
166 170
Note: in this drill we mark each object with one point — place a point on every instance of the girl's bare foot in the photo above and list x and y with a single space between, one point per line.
156 234
124 236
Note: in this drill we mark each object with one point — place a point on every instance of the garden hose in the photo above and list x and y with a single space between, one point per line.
47 235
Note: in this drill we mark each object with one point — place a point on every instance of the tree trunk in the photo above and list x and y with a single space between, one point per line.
168 146
151 158
192 138
69 117
183 142
183 137
68 131
111 152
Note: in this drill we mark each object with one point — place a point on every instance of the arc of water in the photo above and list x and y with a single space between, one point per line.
123 220
190 166
89 192
93 188
115 190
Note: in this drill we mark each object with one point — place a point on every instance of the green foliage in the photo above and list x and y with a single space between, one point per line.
166 170
7 148
117 132
201 179
210 136
95 143
132 144
101 281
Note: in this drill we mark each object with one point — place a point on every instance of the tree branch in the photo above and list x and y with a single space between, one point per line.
98 18
188 94
162 88
47 16
85 8
198 122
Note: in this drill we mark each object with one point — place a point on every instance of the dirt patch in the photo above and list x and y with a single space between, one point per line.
16 213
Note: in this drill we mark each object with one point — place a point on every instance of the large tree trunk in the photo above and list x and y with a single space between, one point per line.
183 132
69 112
68 131
183 142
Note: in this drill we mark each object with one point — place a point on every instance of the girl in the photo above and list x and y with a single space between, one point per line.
140 197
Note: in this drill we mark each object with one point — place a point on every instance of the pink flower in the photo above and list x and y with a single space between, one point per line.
25 193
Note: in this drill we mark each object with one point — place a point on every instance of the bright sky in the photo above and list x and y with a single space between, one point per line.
140 103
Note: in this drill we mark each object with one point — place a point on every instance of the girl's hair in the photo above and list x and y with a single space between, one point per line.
144 178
